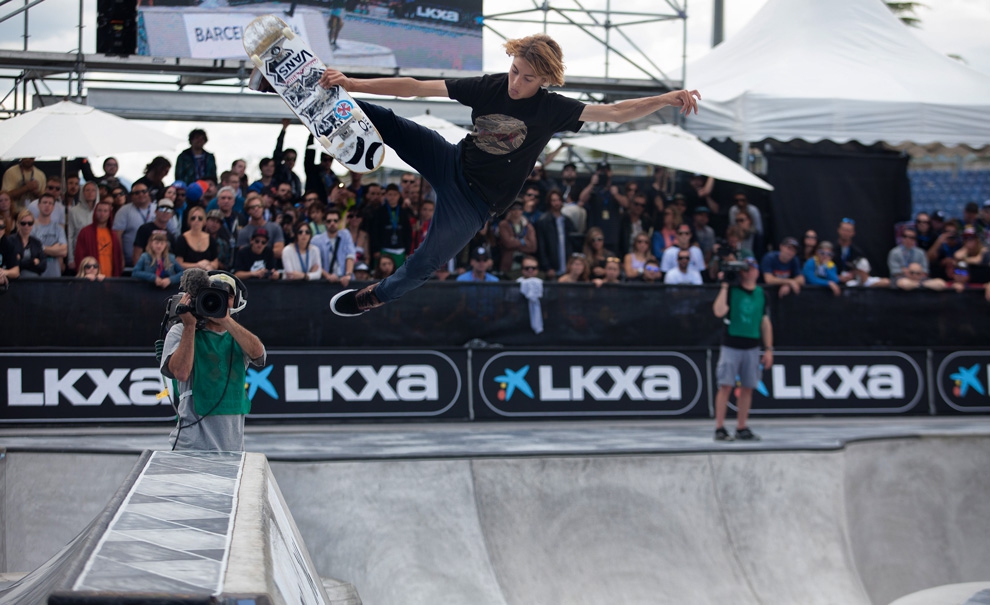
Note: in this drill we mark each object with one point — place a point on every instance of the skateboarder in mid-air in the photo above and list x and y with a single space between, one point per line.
514 117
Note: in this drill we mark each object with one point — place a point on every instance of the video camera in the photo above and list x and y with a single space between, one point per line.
731 270
209 293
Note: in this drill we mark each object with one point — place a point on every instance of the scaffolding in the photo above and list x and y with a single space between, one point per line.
38 76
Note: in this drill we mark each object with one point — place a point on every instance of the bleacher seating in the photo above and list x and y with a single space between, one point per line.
948 190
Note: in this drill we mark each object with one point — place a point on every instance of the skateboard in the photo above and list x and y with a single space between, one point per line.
293 71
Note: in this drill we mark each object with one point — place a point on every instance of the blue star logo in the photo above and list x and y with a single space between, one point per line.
515 380
967 378
259 380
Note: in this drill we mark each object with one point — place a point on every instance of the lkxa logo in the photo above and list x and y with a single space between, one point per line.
568 383
833 382
963 379
365 383
438 14
80 387
142 386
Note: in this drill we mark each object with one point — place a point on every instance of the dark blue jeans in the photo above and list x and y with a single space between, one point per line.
460 213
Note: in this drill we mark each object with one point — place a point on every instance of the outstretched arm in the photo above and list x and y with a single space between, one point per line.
624 111
397 87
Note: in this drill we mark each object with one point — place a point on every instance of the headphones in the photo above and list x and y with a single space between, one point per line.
223 278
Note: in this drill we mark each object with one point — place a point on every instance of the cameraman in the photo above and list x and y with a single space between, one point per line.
746 317
605 204
208 358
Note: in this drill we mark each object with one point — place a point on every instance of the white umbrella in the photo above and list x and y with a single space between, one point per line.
452 133
70 130
673 147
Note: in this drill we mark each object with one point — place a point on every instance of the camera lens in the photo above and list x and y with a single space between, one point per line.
212 303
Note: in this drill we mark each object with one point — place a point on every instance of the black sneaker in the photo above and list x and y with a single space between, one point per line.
722 435
744 434
351 303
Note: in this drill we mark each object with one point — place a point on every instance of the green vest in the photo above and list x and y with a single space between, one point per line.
746 312
218 375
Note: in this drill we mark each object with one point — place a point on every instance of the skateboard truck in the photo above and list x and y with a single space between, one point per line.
258 82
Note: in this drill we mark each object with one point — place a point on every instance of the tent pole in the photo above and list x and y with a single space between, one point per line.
744 154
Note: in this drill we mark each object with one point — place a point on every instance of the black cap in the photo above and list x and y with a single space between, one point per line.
479 253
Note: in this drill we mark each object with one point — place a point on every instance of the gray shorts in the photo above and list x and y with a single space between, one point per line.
743 364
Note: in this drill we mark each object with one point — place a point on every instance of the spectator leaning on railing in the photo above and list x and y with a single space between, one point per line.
820 269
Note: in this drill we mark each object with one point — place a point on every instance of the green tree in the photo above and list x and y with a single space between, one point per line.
905 12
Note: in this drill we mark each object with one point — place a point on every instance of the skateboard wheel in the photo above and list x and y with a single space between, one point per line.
257 61
325 142
288 33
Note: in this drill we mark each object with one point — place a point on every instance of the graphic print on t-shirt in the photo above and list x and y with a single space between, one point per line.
499 134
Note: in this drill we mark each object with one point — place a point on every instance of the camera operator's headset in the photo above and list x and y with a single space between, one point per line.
217 278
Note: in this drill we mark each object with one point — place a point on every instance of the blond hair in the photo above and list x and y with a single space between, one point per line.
543 53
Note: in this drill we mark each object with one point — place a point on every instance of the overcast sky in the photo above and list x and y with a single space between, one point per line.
949 26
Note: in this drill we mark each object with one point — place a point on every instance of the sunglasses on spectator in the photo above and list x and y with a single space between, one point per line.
683 258
195 218
26 223
301 231
530 268
259 240
651 269
165 209
120 194
55 187
90 266
613 259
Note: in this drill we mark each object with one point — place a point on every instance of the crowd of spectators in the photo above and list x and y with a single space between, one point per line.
575 228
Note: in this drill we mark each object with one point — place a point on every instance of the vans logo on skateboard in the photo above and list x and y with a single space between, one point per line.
284 62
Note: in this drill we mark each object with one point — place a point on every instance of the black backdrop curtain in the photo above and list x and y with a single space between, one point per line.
817 185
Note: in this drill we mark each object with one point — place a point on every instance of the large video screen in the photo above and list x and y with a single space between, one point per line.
440 34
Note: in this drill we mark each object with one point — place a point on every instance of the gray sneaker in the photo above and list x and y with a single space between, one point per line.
722 435
744 434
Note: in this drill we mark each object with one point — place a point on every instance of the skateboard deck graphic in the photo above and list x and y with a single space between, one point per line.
293 71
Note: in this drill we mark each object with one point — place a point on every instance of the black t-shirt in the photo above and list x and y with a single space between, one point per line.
509 135
183 250
246 260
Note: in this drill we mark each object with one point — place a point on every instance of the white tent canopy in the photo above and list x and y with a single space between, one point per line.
70 130
839 70
670 146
